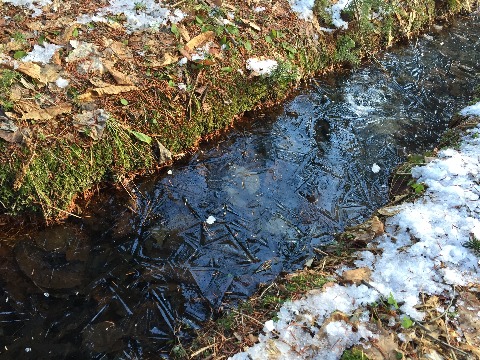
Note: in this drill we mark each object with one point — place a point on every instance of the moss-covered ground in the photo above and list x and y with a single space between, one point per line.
166 103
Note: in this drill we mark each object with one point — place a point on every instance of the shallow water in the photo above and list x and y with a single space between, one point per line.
137 271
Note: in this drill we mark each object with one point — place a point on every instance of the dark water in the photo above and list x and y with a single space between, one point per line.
139 270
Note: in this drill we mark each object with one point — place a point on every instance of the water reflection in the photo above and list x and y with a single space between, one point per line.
128 280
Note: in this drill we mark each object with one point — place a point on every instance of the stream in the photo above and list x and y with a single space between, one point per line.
140 269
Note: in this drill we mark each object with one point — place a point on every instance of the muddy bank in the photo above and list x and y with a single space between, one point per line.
95 94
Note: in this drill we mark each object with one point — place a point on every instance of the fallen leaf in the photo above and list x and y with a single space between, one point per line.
91 123
47 113
120 78
183 32
67 34
108 90
199 40
9 131
251 24
44 75
141 136
357 275
377 226
389 210
165 60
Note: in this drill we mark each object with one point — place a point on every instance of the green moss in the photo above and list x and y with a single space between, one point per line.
354 354
48 176
305 282
346 52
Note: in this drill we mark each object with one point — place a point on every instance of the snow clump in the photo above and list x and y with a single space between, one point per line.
34 5
261 67
472 110
303 8
41 54
146 14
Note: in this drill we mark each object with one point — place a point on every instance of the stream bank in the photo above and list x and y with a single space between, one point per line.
403 285
95 94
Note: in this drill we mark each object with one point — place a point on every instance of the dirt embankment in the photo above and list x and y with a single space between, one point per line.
104 90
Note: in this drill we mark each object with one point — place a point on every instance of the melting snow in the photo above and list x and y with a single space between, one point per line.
303 8
41 54
139 15
62 83
336 10
422 252
34 5
261 67
472 110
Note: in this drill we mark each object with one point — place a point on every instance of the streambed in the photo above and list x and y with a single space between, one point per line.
137 270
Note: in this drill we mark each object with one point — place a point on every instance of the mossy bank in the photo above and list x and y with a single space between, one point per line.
141 98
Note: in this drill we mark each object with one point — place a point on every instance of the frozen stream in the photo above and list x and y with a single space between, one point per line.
129 277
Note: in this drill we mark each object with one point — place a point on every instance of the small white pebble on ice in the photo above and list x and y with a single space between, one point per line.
169 172
210 220
61 82
375 168
28 349
269 325
46 294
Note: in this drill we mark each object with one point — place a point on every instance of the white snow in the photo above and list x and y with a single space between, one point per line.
472 110
422 252
140 15
62 83
336 10
41 54
303 8
375 168
34 5
261 67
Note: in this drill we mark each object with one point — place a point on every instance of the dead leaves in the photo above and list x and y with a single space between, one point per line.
356 276
30 111
92 123
165 60
42 74
92 94
199 40
120 78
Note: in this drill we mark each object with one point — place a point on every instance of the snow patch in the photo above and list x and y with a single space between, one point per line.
145 14
336 11
34 5
303 8
41 54
62 83
261 67
472 110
